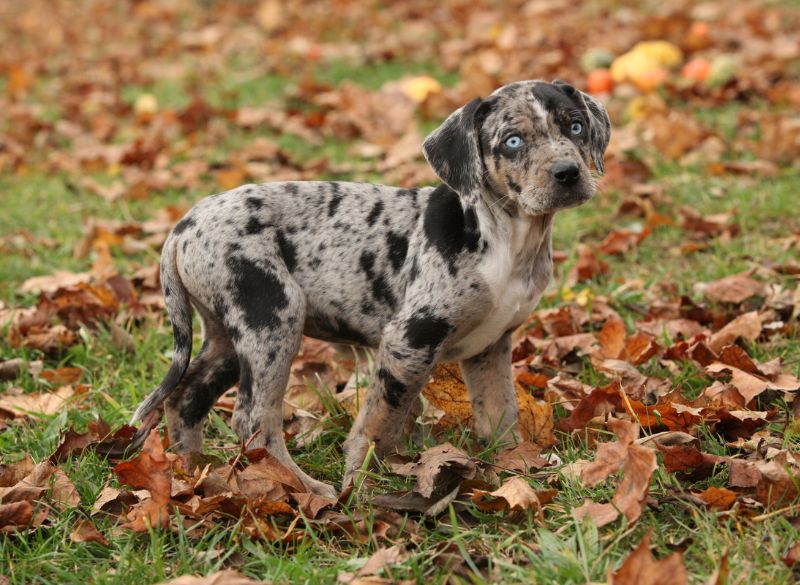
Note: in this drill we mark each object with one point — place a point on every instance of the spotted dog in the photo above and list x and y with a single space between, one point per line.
420 275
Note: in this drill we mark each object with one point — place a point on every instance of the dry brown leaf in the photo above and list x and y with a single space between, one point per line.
226 577
612 338
516 494
715 497
437 467
36 403
733 289
521 458
640 568
86 531
637 463
747 326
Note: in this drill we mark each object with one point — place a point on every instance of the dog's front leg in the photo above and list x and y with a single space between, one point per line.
491 391
400 374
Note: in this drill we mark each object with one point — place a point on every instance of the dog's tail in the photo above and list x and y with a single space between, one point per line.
180 313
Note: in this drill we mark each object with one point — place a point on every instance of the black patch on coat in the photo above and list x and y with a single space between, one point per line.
254 203
258 292
398 249
336 199
448 227
424 330
292 188
514 186
254 226
375 213
393 389
382 292
201 395
183 225
367 263
288 251
167 290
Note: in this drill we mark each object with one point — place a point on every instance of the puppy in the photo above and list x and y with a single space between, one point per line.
420 275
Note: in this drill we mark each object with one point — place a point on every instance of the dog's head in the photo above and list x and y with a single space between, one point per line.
530 142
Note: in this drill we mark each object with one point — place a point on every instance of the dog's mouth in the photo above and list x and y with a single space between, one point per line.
555 198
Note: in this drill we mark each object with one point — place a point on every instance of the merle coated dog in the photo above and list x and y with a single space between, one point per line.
420 275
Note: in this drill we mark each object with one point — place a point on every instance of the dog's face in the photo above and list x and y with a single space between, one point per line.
530 142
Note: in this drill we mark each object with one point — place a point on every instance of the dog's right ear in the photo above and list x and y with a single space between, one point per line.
454 153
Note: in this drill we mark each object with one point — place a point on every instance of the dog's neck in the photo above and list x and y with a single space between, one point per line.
527 239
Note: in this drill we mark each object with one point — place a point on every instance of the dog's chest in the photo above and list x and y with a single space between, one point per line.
514 273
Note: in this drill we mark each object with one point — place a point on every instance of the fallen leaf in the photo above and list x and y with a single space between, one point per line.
516 494
86 531
36 403
521 458
715 497
641 568
637 463
733 289
437 467
226 577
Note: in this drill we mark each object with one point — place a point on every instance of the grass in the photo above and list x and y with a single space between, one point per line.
511 550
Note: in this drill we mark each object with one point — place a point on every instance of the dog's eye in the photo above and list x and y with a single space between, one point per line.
513 142
576 128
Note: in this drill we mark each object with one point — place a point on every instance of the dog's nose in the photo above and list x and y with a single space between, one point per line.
565 172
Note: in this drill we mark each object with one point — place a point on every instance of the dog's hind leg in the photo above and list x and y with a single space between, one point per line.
266 342
210 374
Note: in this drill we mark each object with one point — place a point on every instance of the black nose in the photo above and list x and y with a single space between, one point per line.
565 172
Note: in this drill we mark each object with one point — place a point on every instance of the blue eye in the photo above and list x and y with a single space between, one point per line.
513 142
576 128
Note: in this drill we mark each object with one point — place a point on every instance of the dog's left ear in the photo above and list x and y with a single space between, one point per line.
600 129
599 123
453 151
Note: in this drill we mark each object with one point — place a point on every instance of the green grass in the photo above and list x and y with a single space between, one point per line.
514 550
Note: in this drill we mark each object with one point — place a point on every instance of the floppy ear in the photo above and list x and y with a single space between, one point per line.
599 129
453 152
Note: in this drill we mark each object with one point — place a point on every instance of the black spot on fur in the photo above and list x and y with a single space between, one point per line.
514 186
254 226
424 330
367 263
448 227
167 290
258 292
398 248
254 203
394 390
375 213
288 251
292 188
183 225
382 292
201 393
336 199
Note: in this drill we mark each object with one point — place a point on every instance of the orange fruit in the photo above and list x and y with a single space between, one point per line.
599 81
